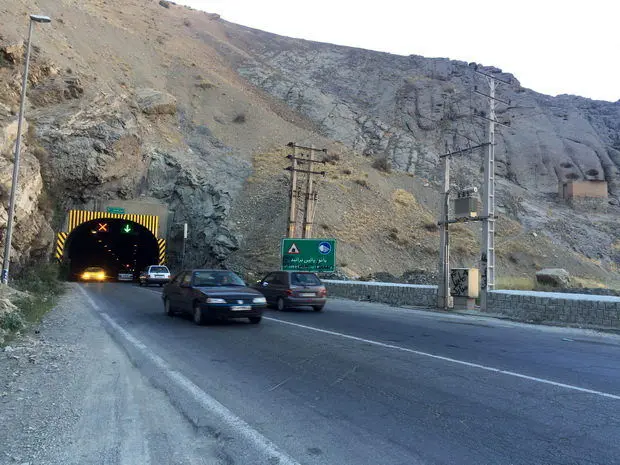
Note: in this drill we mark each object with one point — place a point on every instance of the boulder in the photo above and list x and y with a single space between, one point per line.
556 277
154 102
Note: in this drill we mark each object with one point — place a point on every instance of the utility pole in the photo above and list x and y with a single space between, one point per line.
487 252
444 298
292 215
487 246
444 238
309 206
297 159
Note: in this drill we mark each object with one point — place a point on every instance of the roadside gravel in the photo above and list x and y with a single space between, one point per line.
69 395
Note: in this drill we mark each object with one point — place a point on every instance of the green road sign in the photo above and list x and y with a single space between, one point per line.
317 255
127 228
116 210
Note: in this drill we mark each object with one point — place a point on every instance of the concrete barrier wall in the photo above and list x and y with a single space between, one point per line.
529 306
555 307
389 293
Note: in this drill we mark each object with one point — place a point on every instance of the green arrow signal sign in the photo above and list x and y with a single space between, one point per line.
127 229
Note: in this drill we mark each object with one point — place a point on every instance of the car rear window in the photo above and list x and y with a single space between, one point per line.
305 279
159 269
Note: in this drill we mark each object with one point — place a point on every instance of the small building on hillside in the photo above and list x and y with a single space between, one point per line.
584 194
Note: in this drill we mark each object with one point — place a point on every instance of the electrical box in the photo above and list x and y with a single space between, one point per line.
466 203
466 207
465 282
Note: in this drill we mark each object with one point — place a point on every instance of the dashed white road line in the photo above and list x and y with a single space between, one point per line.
450 360
210 404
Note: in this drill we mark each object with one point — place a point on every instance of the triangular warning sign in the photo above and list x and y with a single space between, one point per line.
293 249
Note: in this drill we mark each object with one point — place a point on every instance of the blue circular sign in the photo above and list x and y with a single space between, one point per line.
325 248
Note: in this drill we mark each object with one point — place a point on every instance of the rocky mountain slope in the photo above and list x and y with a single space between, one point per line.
145 98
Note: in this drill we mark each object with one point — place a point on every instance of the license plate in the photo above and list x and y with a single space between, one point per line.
241 308
307 294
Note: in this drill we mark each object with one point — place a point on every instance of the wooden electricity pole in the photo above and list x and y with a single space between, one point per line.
292 215
298 158
309 205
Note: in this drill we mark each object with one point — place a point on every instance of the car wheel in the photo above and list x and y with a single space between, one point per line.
168 307
198 316
140 283
280 305
318 308
160 285
255 319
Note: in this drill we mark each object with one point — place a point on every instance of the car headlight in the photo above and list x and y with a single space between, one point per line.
86 276
215 300
259 300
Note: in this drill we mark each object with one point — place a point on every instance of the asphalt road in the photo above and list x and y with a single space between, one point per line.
369 384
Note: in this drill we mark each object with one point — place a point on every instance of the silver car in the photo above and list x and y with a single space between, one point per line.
154 274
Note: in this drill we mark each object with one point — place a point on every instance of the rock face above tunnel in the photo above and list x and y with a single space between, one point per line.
106 155
405 107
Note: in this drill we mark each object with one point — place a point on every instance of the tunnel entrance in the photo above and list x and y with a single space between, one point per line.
113 244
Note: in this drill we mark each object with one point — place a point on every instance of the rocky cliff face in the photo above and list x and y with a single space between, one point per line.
407 108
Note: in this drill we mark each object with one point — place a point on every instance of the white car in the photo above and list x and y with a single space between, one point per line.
154 274
125 275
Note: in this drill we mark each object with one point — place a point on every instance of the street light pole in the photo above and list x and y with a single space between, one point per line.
22 105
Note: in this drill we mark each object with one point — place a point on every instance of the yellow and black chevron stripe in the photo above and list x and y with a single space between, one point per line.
61 239
161 246
78 217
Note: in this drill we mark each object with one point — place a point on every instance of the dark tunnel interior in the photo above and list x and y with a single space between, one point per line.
113 244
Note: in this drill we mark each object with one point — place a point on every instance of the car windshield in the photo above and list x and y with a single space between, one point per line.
159 269
93 269
217 278
305 279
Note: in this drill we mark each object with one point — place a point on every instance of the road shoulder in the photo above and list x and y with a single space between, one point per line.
69 394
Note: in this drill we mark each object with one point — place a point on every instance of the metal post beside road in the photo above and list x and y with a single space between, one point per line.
11 214
444 238
184 242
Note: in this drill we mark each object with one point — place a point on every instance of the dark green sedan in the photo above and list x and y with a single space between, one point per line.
209 295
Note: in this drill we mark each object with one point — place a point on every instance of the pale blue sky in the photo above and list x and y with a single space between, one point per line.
551 46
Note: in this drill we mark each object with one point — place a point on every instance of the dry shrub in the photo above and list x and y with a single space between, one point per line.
382 164
431 226
331 158
403 197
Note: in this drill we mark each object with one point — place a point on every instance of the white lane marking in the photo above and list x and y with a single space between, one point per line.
208 403
451 360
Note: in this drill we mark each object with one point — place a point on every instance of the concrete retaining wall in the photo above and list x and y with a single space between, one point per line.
389 293
555 307
531 306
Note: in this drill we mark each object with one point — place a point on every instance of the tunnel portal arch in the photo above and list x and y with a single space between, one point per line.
109 238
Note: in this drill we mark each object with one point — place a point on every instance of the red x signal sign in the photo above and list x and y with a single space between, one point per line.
102 227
